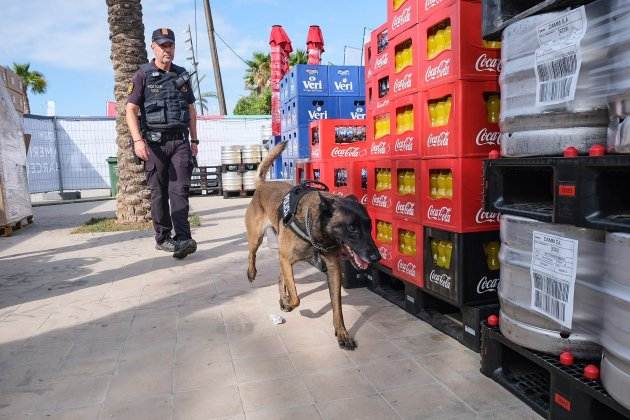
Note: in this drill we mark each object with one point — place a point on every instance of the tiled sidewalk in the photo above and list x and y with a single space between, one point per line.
103 326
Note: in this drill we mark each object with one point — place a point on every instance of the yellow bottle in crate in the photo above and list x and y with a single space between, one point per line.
379 231
401 182
410 119
388 179
441 184
448 35
431 47
449 185
398 60
402 241
440 41
379 180
448 104
440 114
412 243
408 56
442 254
434 251
491 249
398 3
493 108
434 183
433 113
389 232
412 182
448 255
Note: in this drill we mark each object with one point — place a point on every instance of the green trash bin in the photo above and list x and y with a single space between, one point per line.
113 174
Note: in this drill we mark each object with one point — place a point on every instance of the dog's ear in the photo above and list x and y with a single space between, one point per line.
325 205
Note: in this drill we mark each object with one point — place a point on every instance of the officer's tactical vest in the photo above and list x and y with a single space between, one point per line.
165 107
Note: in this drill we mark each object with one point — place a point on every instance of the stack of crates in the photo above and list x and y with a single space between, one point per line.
433 99
316 92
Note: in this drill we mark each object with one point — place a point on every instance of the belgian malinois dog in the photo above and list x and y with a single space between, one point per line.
335 226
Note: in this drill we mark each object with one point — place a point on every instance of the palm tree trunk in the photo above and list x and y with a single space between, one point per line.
126 31
27 105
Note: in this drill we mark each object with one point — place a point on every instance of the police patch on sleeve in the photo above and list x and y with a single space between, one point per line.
130 88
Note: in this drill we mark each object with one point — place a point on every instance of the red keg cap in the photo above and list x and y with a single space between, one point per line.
493 321
591 372
571 152
597 150
566 358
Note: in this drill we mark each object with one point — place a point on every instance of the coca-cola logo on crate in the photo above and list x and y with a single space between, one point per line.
407 268
485 63
382 104
483 216
380 148
486 285
485 137
439 71
406 208
402 18
380 201
404 145
364 199
340 152
442 280
385 254
430 4
438 140
381 61
440 214
404 83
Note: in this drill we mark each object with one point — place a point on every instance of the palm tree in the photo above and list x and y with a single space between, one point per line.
31 79
126 32
258 73
298 57
203 101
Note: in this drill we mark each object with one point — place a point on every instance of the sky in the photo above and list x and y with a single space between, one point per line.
68 41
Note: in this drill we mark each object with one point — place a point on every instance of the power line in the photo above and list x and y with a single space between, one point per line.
231 49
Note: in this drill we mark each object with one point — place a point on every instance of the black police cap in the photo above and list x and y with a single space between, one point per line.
163 35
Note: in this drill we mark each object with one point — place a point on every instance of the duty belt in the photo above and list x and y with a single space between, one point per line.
162 136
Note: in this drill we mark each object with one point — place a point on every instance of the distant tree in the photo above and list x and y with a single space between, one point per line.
298 57
254 104
258 72
31 79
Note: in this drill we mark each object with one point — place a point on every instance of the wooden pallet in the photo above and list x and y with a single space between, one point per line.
7 230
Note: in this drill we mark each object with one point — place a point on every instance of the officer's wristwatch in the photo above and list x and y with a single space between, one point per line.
194 141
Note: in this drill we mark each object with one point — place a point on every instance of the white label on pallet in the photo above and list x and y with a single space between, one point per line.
553 271
559 58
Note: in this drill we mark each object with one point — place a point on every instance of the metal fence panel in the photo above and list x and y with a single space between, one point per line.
41 162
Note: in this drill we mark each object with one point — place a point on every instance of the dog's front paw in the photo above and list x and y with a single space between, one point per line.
251 274
284 305
345 341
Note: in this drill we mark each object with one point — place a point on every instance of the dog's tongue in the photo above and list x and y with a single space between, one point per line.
358 261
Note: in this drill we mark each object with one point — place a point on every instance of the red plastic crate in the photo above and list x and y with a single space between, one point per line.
324 134
337 175
403 17
379 60
405 266
406 137
379 146
360 174
380 200
407 206
467 58
302 171
386 248
429 7
406 79
464 211
469 132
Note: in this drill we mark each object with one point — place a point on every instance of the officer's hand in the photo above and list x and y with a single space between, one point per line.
140 149
194 148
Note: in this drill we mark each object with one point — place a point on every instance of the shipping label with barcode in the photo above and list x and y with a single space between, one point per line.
557 71
553 271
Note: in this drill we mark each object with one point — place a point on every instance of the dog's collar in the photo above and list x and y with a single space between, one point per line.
288 210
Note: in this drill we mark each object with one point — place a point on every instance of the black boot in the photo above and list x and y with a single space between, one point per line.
184 248
168 245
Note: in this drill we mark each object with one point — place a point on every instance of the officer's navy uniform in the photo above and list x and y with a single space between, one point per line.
164 121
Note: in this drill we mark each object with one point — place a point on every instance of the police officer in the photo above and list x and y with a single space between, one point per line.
161 93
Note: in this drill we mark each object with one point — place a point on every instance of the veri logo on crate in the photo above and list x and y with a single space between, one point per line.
485 137
344 85
358 113
440 214
408 268
442 280
312 82
485 63
486 285
405 208
317 114
483 216
403 18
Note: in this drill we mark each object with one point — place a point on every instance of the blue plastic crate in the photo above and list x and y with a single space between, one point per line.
301 142
352 107
361 80
310 108
284 88
285 120
308 80
343 81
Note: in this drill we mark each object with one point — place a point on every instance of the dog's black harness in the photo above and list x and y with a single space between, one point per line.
288 209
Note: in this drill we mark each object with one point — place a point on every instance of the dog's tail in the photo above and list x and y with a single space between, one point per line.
264 166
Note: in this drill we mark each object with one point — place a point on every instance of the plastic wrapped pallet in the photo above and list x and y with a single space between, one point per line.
15 201
546 81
